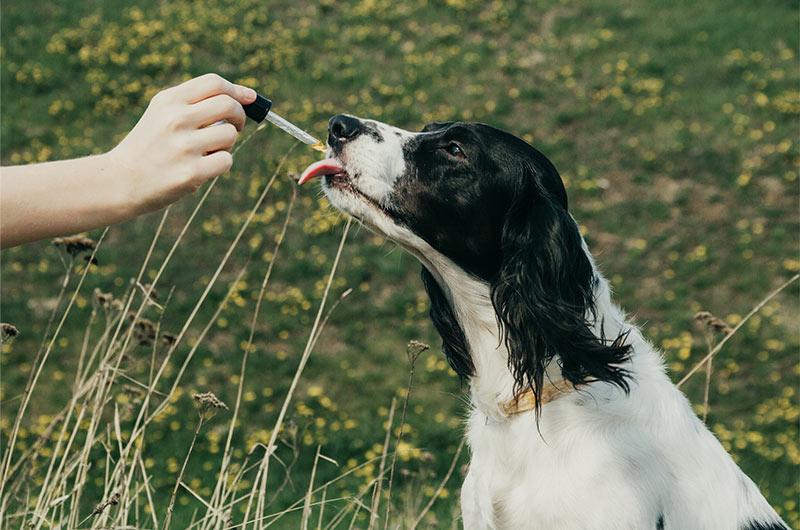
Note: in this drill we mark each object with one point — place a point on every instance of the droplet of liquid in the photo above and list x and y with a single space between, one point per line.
319 146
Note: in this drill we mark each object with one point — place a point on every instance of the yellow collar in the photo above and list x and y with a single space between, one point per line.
526 401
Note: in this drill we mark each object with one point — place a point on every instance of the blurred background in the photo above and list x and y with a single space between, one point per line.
674 126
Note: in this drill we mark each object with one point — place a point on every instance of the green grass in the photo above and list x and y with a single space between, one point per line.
674 126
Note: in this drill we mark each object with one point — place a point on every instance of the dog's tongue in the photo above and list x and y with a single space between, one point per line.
323 167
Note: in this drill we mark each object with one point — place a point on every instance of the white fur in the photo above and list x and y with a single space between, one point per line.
598 459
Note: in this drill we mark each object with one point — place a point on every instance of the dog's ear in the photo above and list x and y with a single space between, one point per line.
435 126
543 294
454 342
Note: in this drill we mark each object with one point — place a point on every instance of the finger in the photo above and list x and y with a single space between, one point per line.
208 85
215 164
217 108
215 138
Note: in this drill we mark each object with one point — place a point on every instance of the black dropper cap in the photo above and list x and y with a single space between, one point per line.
258 109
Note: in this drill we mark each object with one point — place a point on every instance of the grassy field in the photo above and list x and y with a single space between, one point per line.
674 125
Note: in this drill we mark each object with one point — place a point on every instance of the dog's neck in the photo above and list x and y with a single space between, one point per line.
493 384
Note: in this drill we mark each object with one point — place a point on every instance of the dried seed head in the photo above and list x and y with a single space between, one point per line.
414 349
144 332
713 323
102 299
417 344
113 500
92 260
7 331
74 245
169 338
209 400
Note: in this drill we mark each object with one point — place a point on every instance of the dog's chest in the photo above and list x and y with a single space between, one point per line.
563 478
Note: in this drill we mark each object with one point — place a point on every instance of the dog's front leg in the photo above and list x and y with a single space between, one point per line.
476 512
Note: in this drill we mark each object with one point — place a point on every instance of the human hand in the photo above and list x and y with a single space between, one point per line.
177 145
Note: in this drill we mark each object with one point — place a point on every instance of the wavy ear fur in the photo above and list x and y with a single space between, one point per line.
454 342
543 295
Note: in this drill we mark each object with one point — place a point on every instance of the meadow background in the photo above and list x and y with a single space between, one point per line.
675 128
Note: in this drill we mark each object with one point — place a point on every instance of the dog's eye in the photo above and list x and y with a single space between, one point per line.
453 149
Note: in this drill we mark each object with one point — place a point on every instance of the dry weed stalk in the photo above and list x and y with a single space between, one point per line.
712 326
738 326
307 505
208 406
95 389
413 351
376 493
41 359
441 486
113 500
260 484
143 421
220 494
297 505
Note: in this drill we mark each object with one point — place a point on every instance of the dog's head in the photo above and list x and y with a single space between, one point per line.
484 201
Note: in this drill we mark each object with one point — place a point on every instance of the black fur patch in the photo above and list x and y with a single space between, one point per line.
500 213
454 343
370 129
660 522
374 133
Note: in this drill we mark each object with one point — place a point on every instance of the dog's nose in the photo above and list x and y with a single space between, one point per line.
342 128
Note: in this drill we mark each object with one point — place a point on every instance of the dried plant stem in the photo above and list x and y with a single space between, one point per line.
38 372
168 517
221 265
79 390
107 374
219 496
359 505
413 351
708 378
261 478
147 490
708 386
439 489
247 139
6 462
376 493
738 326
92 384
322 508
354 501
299 503
143 419
307 505
129 298
160 271
185 327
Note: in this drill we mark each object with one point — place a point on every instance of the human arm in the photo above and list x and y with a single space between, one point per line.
175 147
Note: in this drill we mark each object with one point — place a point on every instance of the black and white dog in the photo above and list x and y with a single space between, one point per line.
574 424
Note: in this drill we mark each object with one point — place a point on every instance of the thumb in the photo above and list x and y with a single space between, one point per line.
244 95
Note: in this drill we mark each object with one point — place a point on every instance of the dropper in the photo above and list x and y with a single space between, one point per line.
260 109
